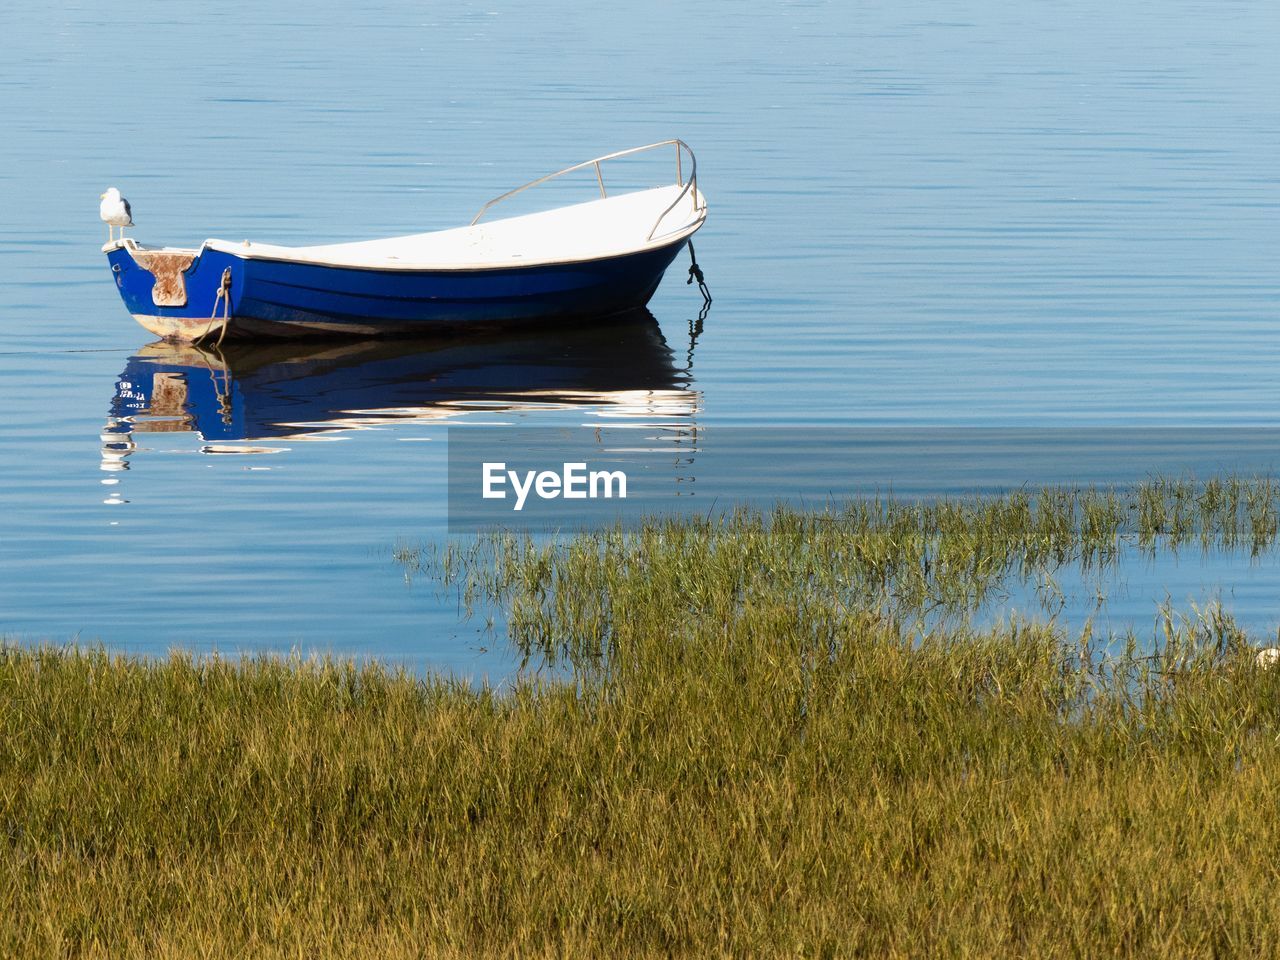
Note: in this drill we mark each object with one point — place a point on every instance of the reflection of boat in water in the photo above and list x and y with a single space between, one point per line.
246 392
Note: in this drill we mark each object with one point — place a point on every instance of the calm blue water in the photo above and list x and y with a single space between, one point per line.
920 213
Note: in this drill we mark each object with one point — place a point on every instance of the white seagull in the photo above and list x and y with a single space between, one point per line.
114 209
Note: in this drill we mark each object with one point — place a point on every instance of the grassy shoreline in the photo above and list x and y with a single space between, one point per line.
753 755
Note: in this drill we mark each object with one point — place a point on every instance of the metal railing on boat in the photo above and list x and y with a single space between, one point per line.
689 187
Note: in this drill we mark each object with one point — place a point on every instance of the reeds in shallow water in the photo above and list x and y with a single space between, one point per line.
922 565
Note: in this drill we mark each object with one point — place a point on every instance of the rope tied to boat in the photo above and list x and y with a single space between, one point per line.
695 274
222 297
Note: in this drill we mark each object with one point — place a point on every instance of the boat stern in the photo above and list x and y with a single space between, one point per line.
178 294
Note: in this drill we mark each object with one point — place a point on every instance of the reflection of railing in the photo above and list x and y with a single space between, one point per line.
681 149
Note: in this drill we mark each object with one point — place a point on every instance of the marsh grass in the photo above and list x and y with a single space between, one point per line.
758 752
925 565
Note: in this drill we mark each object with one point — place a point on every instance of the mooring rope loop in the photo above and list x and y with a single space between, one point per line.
222 297
695 274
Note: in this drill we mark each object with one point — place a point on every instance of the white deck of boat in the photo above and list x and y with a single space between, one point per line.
607 227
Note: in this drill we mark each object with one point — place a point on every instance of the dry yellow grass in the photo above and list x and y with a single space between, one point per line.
741 761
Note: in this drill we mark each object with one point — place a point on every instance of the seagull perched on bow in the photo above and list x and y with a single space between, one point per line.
115 211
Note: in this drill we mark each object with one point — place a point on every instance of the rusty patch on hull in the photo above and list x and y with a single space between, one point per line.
203 329
168 269
182 328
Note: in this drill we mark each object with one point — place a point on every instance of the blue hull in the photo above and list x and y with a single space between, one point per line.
276 298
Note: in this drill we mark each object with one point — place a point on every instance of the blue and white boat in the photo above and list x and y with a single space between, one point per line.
590 259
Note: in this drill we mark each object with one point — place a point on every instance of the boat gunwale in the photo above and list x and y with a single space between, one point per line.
242 251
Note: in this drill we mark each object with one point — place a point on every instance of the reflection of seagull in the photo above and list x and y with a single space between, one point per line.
114 209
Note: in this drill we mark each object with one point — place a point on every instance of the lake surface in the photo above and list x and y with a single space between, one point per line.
921 215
